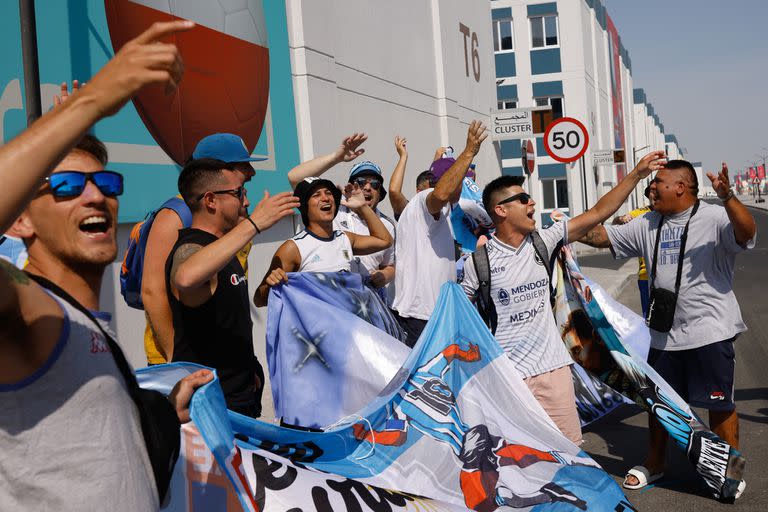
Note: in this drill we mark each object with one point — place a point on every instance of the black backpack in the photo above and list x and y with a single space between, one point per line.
159 422
485 304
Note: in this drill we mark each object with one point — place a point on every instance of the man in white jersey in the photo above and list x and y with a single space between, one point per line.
425 253
320 247
520 286
690 248
70 433
377 269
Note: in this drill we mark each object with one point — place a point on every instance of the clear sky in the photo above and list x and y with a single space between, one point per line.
704 67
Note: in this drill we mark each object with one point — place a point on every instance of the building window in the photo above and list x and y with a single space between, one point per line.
544 31
555 193
504 104
555 102
502 36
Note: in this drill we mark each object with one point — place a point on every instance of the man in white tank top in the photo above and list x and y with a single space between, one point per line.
320 247
70 435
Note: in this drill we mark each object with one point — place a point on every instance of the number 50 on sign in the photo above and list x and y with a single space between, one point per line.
566 139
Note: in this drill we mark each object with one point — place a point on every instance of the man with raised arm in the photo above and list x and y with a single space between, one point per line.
520 285
207 287
65 396
690 248
425 253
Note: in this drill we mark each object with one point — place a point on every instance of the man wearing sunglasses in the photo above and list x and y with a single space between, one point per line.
65 398
520 285
158 333
206 284
377 269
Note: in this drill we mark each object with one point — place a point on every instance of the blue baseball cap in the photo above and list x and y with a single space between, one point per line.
367 168
226 147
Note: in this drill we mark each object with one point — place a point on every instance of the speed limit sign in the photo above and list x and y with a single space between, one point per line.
566 139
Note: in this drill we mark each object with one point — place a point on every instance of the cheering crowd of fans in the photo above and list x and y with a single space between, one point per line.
62 372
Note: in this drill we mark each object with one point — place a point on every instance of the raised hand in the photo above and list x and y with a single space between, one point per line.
652 162
348 150
353 197
65 94
400 146
140 62
476 134
273 208
721 183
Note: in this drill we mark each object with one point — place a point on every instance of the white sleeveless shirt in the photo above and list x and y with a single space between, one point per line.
70 436
318 254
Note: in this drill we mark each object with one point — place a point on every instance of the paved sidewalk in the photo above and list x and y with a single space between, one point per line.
612 275
751 202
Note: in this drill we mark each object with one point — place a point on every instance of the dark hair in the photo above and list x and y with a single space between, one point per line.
200 175
94 147
499 183
684 164
425 176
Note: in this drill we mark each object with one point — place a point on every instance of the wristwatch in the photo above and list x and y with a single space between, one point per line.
727 197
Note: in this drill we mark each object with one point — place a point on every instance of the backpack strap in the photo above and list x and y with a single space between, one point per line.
486 307
159 424
178 205
549 260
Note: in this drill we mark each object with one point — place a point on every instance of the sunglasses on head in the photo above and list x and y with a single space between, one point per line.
361 182
238 192
72 183
523 197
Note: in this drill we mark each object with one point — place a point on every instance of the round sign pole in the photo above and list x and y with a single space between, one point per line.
528 156
566 140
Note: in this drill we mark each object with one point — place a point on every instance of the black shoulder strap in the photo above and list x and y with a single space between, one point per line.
681 254
159 423
549 260
117 353
486 307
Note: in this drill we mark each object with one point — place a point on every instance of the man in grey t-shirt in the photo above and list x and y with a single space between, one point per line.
696 356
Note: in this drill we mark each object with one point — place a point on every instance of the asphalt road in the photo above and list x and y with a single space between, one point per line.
619 441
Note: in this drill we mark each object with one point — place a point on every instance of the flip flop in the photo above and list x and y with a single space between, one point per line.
644 477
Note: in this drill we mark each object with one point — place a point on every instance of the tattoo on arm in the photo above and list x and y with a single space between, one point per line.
596 237
15 275
181 255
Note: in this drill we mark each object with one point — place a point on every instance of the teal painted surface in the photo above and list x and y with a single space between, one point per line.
548 89
73 42
551 171
545 61
506 92
511 148
512 171
505 64
501 14
540 149
542 9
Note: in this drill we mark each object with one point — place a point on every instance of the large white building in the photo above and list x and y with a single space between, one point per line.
568 54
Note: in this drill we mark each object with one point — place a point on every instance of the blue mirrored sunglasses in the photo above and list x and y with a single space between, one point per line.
72 183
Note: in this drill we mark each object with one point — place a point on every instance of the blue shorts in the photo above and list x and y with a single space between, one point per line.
702 376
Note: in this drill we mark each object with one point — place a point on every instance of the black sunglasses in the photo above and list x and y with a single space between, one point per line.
72 183
361 182
238 192
523 197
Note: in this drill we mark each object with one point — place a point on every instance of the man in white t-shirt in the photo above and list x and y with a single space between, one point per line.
425 253
320 247
695 354
377 269
520 286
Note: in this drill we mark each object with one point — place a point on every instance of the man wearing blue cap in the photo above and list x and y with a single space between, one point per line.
378 269
158 334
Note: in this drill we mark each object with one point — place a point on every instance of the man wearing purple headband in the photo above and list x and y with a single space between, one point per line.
425 251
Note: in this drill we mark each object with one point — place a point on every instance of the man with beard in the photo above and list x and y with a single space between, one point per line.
320 247
207 288
71 434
